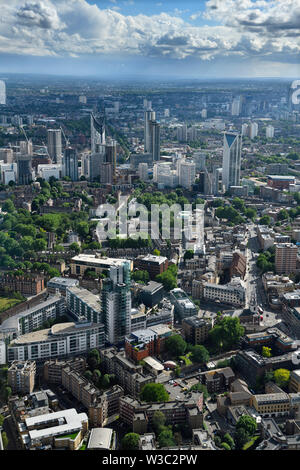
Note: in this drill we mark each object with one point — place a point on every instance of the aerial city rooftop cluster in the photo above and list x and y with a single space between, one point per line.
134 341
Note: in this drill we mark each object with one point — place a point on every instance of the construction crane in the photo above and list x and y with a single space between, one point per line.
23 130
66 140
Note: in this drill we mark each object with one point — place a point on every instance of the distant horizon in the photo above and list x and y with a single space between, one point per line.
6 75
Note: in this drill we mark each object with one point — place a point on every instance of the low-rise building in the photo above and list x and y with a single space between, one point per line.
80 263
233 293
61 429
26 285
129 375
183 305
53 368
153 264
138 415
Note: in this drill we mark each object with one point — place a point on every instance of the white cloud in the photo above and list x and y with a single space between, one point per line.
75 27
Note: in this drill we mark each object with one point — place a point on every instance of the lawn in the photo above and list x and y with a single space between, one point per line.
186 359
250 443
83 447
68 436
6 303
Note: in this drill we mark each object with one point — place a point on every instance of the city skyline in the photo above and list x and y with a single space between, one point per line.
135 38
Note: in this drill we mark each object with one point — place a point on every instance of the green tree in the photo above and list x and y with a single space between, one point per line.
225 446
75 247
189 254
200 354
131 441
247 423
165 438
158 421
154 392
105 381
282 377
156 252
229 440
8 206
88 375
226 333
265 220
4 440
176 345
241 437
266 352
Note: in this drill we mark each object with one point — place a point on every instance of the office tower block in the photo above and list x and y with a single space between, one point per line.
111 155
70 164
30 120
7 155
269 132
286 258
143 171
54 145
24 168
97 133
116 303
181 132
217 181
152 135
17 120
2 92
200 160
204 113
155 141
106 173
149 117
236 107
94 162
231 167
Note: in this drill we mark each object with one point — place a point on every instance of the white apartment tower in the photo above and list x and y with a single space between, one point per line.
2 92
186 173
269 132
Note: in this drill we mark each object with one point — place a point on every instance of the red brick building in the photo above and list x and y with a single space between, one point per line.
26 285
154 265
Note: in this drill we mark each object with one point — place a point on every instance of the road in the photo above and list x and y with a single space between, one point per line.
254 285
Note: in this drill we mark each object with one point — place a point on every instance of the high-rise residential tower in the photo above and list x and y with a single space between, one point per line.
24 168
54 145
70 163
116 303
2 92
97 133
231 167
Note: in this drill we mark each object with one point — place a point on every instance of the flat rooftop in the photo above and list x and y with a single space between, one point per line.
100 438
104 261
12 322
70 420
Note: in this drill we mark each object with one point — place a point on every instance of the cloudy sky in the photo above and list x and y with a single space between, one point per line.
154 38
